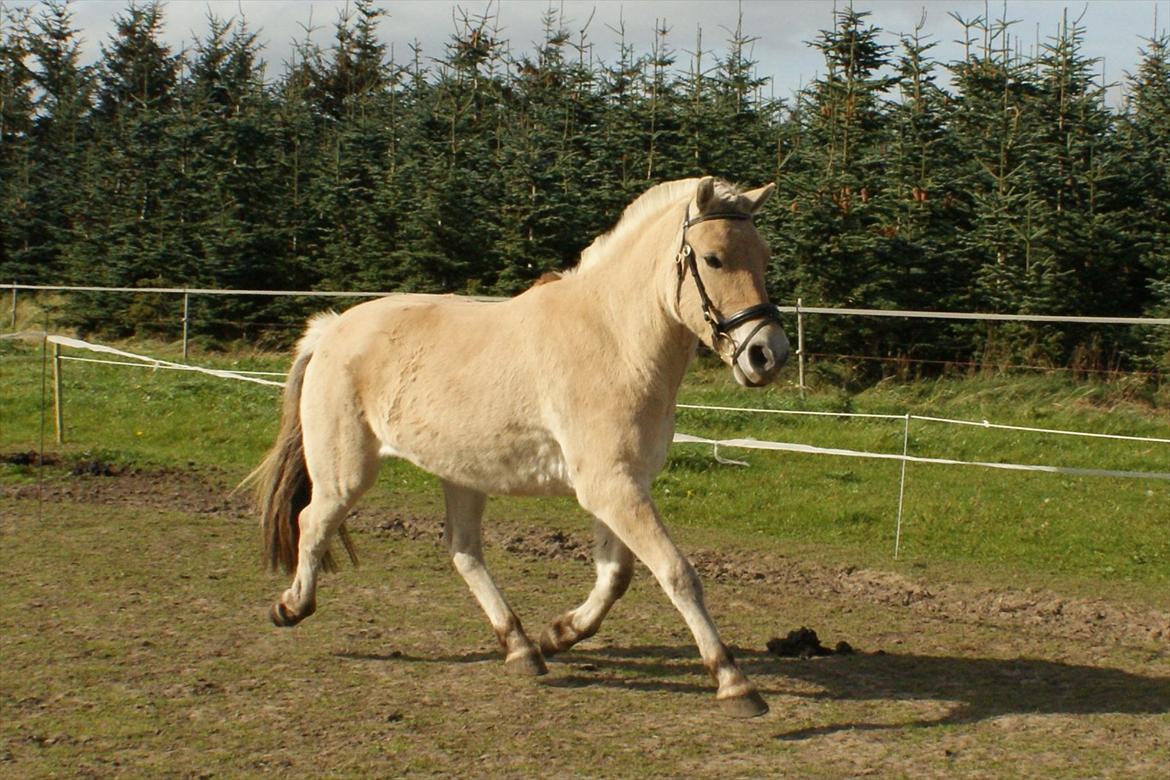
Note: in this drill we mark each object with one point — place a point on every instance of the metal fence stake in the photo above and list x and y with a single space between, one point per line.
186 319
800 345
902 486
57 401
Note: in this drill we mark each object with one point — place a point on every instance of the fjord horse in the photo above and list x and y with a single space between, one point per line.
566 389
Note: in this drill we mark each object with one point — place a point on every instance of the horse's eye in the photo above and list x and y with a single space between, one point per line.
713 261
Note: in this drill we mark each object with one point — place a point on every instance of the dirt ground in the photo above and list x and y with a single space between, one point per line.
134 643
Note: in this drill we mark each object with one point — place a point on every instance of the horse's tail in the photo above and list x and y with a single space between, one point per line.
281 481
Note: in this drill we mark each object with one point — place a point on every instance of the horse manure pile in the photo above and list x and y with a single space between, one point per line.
804 643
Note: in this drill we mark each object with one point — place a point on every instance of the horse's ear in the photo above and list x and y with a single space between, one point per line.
705 194
757 198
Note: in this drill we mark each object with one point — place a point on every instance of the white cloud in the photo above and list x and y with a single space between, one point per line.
1114 27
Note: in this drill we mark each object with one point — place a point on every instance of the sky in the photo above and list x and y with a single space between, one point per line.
1115 29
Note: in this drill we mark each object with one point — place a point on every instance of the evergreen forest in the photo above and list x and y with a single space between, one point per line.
1002 182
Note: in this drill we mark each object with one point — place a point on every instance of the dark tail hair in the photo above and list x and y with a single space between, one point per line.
282 485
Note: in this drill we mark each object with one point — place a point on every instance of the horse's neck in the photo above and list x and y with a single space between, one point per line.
632 287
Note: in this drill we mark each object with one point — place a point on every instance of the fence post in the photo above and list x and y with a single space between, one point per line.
800 345
57 401
186 319
902 486
14 305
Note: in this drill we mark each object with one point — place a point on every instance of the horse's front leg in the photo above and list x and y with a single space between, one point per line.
462 532
626 507
615 568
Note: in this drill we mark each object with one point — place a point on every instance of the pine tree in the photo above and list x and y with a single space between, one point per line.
835 242
299 134
737 123
61 134
552 173
621 148
229 188
1077 165
17 214
354 153
1147 146
126 178
447 221
995 126
924 219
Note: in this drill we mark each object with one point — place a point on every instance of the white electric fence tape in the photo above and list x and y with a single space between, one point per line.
756 444
152 365
150 362
944 420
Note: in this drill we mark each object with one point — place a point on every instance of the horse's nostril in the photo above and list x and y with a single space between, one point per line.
759 358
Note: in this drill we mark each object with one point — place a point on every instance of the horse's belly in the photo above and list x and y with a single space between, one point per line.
529 464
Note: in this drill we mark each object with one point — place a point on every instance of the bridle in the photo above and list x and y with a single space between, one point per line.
720 328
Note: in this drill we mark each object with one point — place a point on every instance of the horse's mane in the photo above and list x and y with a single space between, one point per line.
648 203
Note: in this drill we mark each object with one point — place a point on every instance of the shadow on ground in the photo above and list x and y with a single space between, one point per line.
979 688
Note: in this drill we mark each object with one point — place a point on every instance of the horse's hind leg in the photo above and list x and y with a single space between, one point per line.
463 538
615 568
339 476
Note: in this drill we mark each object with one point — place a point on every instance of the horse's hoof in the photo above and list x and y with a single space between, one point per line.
526 664
750 705
283 617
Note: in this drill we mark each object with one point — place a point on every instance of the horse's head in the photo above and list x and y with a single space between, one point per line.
720 268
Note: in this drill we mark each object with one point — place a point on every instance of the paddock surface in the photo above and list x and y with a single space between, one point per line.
134 642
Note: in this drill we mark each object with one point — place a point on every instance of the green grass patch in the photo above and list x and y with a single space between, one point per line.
1026 527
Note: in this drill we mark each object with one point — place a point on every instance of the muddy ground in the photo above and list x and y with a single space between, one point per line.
134 643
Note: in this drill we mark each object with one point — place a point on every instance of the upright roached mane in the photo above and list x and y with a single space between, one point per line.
567 389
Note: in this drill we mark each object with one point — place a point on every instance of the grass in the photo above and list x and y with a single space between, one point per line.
1012 523
1084 532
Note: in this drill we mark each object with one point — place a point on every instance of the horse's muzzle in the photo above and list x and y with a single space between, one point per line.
763 354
